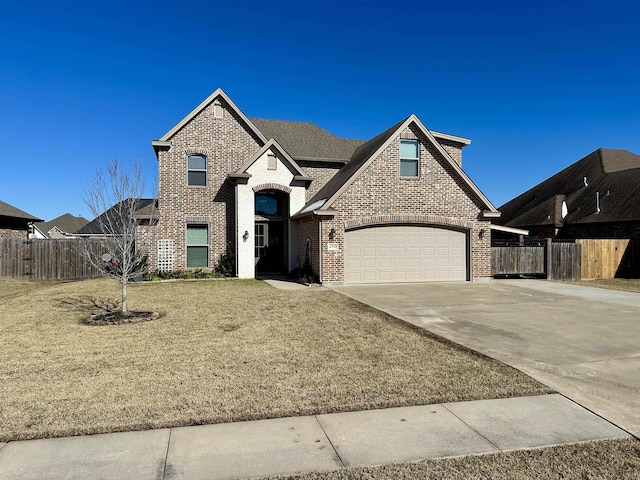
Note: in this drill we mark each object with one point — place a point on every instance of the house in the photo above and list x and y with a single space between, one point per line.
109 222
596 197
60 227
283 195
14 223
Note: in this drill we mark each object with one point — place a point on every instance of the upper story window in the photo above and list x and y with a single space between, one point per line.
197 170
409 158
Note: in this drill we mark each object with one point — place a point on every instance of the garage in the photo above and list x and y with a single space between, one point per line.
404 253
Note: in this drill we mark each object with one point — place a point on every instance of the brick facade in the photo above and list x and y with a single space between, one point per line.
438 197
14 233
228 144
437 194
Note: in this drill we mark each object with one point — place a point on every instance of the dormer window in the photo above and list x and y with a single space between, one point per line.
409 158
197 170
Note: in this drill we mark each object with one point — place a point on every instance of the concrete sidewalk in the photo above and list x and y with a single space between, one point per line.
309 443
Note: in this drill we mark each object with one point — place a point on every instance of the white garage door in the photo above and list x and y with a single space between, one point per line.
404 254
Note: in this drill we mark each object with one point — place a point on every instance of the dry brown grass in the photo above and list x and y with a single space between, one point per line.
624 284
606 460
222 351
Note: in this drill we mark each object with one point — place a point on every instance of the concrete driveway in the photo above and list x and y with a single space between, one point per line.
584 342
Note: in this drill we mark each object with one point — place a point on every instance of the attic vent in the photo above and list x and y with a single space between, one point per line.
565 209
408 135
218 112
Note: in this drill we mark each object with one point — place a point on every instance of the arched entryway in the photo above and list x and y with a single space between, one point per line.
271 231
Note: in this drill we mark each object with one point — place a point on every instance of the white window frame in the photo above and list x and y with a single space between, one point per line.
410 159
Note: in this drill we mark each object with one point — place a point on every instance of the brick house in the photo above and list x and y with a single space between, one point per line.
284 195
15 223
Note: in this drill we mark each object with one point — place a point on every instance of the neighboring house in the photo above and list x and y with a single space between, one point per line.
283 195
596 197
61 227
14 223
110 222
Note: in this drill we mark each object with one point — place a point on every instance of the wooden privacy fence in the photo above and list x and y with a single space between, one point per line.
610 258
555 261
40 259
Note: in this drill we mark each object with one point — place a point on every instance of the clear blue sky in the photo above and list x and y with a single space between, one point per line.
536 85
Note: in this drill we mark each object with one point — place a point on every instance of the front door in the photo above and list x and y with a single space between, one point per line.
269 248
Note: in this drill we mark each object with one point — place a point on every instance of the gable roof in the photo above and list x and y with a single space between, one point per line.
613 174
7 210
205 103
366 153
93 227
274 146
66 223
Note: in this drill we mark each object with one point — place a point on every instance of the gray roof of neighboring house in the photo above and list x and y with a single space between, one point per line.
93 227
614 174
304 140
7 210
66 223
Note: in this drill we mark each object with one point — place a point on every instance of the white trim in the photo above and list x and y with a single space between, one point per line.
517 231
453 138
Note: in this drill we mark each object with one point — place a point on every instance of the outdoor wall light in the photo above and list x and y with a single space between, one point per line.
481 234
332 234
245 235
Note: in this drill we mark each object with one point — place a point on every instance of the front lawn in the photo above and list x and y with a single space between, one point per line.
221 351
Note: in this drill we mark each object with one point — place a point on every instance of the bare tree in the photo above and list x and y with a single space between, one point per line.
114 199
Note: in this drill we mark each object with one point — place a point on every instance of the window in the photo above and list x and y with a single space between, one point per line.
409 158
197 246
197 167
267 203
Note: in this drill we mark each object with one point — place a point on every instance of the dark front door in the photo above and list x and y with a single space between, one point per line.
270 247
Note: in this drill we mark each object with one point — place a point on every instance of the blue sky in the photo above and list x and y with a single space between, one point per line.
536 85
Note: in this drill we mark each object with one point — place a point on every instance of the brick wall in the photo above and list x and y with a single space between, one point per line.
321 174
14 233
379 191
308 232
228 144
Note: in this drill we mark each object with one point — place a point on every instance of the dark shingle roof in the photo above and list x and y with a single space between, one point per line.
304 140
66 223
93 227
615 174
7 210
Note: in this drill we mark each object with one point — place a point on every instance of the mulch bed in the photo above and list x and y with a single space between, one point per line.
119 318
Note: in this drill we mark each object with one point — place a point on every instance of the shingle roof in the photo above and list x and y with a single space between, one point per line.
66 223
93 227
614 174
7 210
304 140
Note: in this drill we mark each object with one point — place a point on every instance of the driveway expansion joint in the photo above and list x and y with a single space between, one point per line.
166 456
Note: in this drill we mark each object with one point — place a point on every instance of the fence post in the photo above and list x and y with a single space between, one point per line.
549 259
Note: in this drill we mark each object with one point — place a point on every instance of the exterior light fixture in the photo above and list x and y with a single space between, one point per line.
481 234
332 233
245 235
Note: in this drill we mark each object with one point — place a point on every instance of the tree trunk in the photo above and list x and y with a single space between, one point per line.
124 295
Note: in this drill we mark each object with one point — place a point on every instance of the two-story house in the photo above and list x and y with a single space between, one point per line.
282 195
